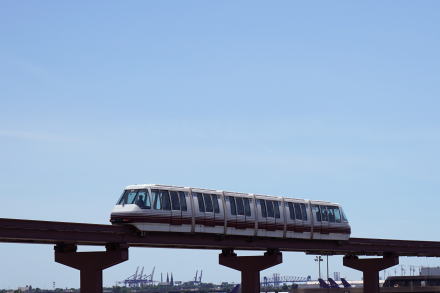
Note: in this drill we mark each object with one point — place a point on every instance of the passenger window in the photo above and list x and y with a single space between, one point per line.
215 203
247 207
298 213
269 205
143 199
140 199
240 206
157 203
276 208
331 214
148 202
291 211
208 203
200 202
182 201
166 203
324 213
337 215
175 204
263 208
233 206
317 212
304 211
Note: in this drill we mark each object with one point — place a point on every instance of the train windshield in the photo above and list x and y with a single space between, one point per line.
334 214
128 197
344 218
139 197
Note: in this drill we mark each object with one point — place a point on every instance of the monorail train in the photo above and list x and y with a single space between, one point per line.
152 207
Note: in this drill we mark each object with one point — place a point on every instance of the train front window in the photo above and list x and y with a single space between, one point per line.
121 199
215 203
175 204
247 207
304 211
344 218
337 215
157 202
129 197
183 201
298 213
233 206
263 208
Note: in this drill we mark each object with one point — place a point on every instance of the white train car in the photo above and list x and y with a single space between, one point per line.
153 207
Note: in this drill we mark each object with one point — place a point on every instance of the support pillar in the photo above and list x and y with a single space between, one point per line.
250 267
371 268
90 264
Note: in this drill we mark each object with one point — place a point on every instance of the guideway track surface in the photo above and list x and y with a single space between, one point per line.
48 232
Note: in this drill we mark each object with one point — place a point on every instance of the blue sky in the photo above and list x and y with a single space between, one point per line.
323 100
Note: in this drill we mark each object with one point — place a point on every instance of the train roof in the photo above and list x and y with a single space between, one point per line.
162 186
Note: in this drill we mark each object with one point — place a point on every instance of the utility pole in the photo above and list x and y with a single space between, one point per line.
319 259
327 267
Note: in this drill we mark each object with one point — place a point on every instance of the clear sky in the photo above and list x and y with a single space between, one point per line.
331 100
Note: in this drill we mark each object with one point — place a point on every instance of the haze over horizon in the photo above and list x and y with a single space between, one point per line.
337 101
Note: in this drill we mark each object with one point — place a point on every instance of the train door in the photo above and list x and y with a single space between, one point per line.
180 216
317 222
209 213
261 216
279 218
176 213
230 214
270 220
161 212
299 223
307 229
336 226
284 216
185 207
219 220
241 218
249 214
199 211
325 222
290 219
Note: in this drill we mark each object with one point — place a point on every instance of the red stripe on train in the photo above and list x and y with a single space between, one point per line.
233 224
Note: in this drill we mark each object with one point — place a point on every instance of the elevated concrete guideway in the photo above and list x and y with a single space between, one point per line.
117 240
45 232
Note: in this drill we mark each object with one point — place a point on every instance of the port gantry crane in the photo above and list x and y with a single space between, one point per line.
139 280
198 280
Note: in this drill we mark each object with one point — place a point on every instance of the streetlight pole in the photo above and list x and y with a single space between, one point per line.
319 259
327 268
